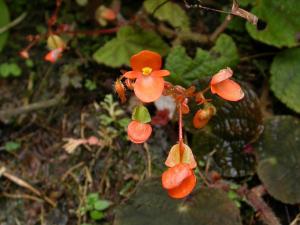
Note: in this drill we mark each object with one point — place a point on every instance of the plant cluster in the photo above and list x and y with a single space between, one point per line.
146 80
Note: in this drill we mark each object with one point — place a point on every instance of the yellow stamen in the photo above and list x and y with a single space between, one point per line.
146 71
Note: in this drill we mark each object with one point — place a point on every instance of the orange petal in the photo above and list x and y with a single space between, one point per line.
146 58
138 132
228 90
160 73
221 76
187 157
184 189
148 88
132 74
174 176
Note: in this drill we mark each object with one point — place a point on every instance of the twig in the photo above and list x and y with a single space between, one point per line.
69 171
32 107
13 23
149 165
21 196
254 197
26 185
220 29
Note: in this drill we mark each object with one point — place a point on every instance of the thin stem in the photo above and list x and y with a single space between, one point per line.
149 165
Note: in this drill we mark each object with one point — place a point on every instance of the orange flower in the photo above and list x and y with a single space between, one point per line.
54 55
179 180
227 89
138 132
149 83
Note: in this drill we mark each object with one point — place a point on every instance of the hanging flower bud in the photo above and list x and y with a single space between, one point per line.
179 180
202 116
54 55
24 54
199 98
54 42
120 89
104 14
184 107
139 132
129 84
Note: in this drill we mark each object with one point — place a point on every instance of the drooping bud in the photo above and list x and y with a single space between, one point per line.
202 116
120 90
24 54
138 132
104 14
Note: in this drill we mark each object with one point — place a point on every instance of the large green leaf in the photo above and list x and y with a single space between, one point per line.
151 205
128 42
4 20
229 135
285 79
279 158
282 19
169 11
184 69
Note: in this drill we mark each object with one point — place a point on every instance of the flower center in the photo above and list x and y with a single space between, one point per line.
146 71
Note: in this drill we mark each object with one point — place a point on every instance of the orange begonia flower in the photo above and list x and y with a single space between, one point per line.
54 55
202 116
149 83
179 180
224 87
138 132
185 156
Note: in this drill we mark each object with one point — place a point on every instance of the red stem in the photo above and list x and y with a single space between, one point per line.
93 32
180 130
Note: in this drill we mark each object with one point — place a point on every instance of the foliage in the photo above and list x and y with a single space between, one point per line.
4 20
184 69
285 79
150 205
282 22
10 70
279 158
12 146
129 41
95 206
169 12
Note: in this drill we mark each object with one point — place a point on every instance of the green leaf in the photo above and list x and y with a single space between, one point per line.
141 114
92 198
96 215
15 70
90 85
10 69
279 158
4 20
12 146
128 42
151 205
102 205
285 79
228 133
282 19
184 69
169 12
